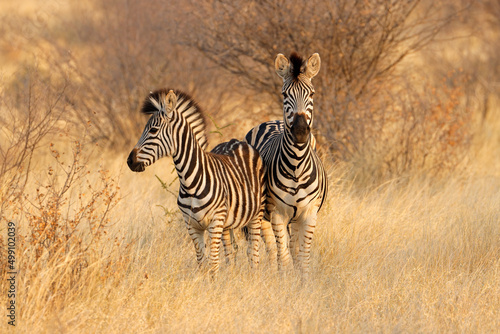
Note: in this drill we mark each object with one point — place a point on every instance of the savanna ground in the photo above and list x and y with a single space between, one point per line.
408 121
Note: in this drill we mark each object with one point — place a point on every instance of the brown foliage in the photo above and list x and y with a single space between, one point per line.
31 109
424 130
360 89
361 44
53 231
62 214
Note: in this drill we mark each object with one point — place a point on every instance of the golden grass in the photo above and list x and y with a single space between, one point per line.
423 257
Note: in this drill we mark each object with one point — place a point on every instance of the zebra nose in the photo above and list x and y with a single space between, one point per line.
132 162
300 129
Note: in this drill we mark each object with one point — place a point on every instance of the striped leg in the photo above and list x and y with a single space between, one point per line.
198 241
215 230
306 232
293 229
281 235
229 252
269 239
253 242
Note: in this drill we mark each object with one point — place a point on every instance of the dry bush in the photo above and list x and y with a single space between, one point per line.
67 221
29 113
360 41
61 206
471 44
124 55
133 51
362 47
31 109
113 53
63 219
55 221
419 130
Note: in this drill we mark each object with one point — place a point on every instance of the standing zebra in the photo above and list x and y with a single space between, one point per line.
219 190
296 179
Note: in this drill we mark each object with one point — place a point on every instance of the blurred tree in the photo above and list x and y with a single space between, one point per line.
370 86
360 44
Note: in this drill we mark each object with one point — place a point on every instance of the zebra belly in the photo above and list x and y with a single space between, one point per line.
201 219
196 212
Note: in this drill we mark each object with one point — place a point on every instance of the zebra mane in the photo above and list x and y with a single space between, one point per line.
297 65
186 107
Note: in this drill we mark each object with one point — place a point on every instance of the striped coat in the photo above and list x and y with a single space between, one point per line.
296 179
219 190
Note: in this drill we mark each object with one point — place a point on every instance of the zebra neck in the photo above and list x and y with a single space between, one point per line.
294 155
189 159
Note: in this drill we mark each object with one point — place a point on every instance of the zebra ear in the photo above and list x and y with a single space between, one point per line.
282 66
171 102
313 65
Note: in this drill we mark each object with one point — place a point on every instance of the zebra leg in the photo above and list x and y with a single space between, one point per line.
215 230
228 246
293 230
268 236
281 235
199 243
253 242
306 231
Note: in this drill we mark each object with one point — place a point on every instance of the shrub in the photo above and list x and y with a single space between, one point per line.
363 46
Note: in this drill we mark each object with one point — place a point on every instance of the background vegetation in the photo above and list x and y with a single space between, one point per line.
408 121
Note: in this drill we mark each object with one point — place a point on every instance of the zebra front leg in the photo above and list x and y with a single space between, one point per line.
253 242
229 251
293 231
281 235
215 230
198 241
306 231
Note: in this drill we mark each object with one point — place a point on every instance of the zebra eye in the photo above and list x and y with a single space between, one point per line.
311 95
153 131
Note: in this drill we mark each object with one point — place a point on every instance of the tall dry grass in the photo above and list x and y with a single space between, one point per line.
408 240
418 258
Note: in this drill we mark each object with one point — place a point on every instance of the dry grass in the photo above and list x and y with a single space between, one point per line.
422 257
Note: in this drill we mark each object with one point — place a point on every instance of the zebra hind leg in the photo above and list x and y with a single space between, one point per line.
254 242
230 248
267 235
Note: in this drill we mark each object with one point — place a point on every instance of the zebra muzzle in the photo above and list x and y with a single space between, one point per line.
133 164
300 129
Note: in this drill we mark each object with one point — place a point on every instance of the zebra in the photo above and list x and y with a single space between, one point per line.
219 190
296 179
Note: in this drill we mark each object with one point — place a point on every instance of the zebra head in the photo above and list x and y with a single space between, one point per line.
298 93
156 140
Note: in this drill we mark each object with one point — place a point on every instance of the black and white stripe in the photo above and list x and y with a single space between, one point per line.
296 178
219 190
